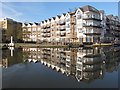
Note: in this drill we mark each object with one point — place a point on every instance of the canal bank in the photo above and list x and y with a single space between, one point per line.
20 45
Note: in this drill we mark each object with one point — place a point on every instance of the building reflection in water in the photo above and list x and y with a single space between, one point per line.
83 64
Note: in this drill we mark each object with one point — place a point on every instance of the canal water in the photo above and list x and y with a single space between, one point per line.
96 67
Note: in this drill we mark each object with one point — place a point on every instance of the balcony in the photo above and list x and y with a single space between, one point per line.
48 26
92 32
58 27
116 34
92 60
62 23
92 25
62 28
107 23
62 53
118 25
48 35
44 27
117 29
112 23
112 28
63 34
92 18
44 31
58 23
44 35
48 30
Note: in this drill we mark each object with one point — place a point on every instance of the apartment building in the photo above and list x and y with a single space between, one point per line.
112 28
31 32
10 28
84 25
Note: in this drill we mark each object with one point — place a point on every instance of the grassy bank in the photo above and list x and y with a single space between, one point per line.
102 44
39 46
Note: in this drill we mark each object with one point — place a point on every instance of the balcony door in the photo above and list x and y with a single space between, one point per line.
81 39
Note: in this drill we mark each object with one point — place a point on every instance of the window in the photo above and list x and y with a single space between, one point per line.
88 16
67 20
68 30
88 39
81 39
79 17
34 29
68 26
29 29
80 30
24 29
38 29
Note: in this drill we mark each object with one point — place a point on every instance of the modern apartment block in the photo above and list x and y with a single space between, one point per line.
8 26
85 25
31 32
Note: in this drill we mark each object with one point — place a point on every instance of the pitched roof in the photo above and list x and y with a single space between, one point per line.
58 16
89 8
49 19
36 23
71 13
64 14
25 24
31 23
45 21
109 16
53 18
115 16
101 11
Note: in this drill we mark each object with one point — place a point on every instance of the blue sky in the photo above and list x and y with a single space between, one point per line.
38 11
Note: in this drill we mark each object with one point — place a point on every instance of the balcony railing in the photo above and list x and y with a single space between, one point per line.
92 18
92 25
93 32
58 27
63 34
48 35
62 23
48 26
44 31
62 28
58 23
48 30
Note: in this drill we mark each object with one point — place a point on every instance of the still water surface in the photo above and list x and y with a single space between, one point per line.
96 67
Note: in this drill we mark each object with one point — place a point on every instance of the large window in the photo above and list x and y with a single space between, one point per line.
34 29
78 16
24 29
67 20
29 29
38 29
80 39
80 30
68 30
88 39
68 26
